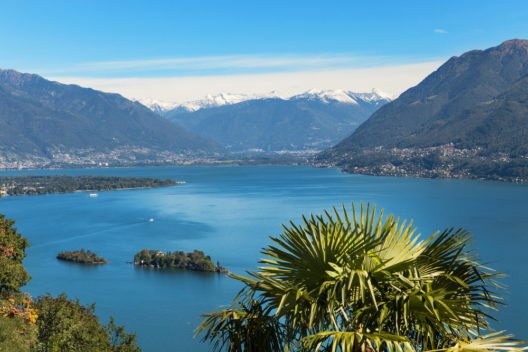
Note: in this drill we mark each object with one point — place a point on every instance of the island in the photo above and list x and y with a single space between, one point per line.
195 261
35 185
82 257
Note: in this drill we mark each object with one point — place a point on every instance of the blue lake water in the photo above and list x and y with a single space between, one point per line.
229 212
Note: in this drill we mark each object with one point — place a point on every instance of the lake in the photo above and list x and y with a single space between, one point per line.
229 212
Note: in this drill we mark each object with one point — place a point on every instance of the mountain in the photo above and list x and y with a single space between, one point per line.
469 118
159 107
211 101
310 121
43 122
376 97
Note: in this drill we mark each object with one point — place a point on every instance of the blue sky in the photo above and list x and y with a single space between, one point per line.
114 42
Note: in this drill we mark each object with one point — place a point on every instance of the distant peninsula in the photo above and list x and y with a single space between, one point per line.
194 261
81 257
36 185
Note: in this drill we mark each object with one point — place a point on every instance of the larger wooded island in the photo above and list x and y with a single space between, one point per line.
194 261
33 185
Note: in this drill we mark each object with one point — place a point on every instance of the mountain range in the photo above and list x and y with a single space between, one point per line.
469 118
43 122
311 121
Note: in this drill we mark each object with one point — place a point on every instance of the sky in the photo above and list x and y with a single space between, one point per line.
177 51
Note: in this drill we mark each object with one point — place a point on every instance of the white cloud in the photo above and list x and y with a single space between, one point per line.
215 62
440 31
393 79
188 66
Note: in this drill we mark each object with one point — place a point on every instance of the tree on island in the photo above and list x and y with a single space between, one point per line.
356 281
194 261
82 257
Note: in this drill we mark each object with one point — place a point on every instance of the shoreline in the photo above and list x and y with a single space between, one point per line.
237 163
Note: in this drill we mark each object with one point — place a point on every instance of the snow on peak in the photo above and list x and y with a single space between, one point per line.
214 100
327 96
222 99
342 96
375 95
158 107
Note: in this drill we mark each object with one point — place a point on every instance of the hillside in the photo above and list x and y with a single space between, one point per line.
44 122
311 121
467 119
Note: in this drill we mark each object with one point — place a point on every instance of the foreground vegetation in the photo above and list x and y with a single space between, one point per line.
195 261
47 324
361 282
33 185
81 257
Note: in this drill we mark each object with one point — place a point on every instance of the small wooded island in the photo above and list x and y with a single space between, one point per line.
34 185
195 261
81 257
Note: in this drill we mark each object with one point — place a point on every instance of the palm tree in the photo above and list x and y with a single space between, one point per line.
359 281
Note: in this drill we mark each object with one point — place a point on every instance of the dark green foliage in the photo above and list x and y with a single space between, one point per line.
13 275
120 340
66 325
82 257
16 335
249 327
32 185
196 260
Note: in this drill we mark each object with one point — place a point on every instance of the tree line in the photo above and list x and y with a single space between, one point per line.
34 185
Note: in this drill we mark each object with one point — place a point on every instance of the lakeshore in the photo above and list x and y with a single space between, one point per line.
229 212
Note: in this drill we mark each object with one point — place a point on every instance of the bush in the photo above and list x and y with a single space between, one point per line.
66 325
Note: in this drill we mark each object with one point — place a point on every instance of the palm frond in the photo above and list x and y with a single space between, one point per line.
496 341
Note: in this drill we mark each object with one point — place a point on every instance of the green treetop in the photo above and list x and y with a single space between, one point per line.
12 253
361 282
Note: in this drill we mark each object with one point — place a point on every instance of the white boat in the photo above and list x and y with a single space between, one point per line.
93 195
151 220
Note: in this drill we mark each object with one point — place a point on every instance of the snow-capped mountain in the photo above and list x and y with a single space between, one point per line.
221 99
159 107
210 101
375 96
313 120
345 96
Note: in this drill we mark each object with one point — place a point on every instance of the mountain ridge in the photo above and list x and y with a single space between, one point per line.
224 98
449 125
306 122
50 122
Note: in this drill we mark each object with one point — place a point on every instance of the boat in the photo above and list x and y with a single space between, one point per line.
93 195
151 220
